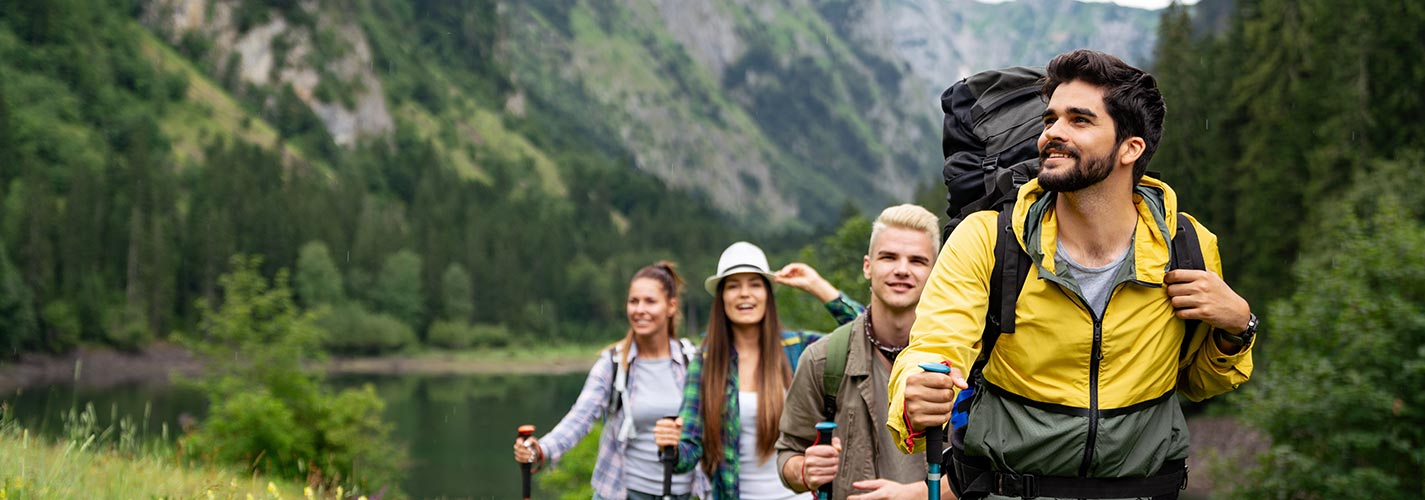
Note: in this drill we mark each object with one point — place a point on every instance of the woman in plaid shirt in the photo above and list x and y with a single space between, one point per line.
743 375
652 359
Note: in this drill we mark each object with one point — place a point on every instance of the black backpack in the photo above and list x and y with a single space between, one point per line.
990 139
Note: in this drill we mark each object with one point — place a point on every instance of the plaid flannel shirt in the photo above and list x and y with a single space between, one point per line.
690 447
608 479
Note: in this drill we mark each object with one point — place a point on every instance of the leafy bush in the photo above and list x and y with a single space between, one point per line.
450 335
1342 403
62 325
461 335
571 478
317 279
352 329
484 335
128 329
398 289
266 412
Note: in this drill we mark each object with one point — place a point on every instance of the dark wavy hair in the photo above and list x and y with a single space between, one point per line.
1130 94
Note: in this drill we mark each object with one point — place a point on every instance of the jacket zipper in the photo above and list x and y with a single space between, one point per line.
1093 393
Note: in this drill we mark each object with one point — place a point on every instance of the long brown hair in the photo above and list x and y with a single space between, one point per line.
666 274
717 361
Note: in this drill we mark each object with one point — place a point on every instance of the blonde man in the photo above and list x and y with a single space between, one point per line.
862 460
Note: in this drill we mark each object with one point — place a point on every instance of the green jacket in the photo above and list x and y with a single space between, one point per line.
859 422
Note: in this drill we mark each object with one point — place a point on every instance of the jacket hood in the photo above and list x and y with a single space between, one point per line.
1036 229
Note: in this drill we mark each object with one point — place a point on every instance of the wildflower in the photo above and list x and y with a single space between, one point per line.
307 492
339 492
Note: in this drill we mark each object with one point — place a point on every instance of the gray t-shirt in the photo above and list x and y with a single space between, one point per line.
1096 283
659 395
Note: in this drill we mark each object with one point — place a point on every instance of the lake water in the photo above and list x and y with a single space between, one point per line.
458 430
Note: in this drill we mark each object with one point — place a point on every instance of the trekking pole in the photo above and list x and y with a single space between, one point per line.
669 456
525 432
934 441
823 436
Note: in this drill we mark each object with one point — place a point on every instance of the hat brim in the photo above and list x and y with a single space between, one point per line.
711 283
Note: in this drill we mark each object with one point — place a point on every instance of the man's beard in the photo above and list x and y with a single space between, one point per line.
1084 173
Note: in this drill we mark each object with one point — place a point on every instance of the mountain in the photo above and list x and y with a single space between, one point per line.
779 111
788 109
541 150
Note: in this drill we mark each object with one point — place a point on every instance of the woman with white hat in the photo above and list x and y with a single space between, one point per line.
732 396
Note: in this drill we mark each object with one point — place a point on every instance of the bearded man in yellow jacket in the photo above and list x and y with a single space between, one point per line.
1078 401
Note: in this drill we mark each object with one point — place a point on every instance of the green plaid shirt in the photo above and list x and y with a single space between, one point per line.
690 447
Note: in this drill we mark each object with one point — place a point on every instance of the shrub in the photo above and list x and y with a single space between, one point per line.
62 325
450 335
490 335
127 329
571 478
266 412
352 329
1342 403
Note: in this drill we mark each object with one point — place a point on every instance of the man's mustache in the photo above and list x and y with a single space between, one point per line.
1058 146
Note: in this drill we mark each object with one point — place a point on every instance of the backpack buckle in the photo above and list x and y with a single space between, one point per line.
990 163
1015 485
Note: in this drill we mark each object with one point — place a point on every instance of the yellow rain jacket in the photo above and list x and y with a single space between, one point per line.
1048 398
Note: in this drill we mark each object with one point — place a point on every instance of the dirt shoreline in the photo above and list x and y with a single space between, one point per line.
93 367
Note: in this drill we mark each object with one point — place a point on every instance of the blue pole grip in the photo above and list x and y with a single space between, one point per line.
823 436
934 442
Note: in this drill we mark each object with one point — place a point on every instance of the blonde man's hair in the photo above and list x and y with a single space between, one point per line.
910 217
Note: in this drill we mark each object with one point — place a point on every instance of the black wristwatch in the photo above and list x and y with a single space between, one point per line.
1244 338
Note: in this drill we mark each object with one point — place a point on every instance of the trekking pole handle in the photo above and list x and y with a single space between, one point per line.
823 436
525 432
934 443
669 456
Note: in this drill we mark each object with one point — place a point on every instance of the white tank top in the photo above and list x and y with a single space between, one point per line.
758 480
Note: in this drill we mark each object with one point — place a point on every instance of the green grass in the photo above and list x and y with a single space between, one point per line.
113 463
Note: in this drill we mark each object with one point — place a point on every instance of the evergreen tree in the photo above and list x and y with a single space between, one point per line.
317 280
18 330
458 298
398 290
1341 403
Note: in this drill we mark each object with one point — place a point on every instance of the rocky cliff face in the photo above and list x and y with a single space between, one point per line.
789 108
274 53
778 110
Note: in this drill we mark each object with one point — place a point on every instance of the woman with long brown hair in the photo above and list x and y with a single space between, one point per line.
732 398
636 381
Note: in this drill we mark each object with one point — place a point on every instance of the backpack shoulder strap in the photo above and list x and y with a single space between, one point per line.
838 348
1187 254
1011 269
617 383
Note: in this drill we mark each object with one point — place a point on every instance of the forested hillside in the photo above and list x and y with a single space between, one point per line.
131 178
447 172
1294 134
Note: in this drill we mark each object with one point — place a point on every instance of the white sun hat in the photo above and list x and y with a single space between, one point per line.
740 257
